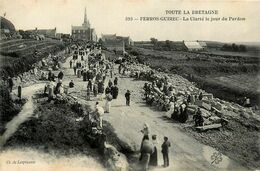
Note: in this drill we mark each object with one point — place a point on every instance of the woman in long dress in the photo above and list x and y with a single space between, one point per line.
108 103
153 156
170 112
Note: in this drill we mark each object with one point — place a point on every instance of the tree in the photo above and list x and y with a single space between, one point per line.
168 44
154 41
242 48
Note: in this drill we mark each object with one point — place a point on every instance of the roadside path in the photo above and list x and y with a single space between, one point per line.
186 153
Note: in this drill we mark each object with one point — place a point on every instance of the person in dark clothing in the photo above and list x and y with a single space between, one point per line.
127 97
10 84
71 84
198 119
184 115
70 63
60 75
89 85
108 90
154 157
110 83
200 96
95 89
165 151
50 76
116 81
189 99
114 91
100 87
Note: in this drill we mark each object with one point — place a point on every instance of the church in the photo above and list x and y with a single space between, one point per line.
84 32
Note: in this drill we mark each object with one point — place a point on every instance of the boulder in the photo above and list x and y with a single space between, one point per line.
205 113
206 106
215 119
115 160
198 103
217 106
208 96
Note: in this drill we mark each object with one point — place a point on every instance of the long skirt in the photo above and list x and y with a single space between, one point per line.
107 106
170 112
145 161
154 158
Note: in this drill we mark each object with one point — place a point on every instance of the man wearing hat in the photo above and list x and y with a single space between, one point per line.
165 151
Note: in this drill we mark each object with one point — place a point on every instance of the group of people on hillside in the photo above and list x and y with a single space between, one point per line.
50 88
149 151
161 94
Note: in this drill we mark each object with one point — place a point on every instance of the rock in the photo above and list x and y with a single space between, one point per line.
208 96
215 119
205 113
244 114
206 106
115 160
198 103
217 106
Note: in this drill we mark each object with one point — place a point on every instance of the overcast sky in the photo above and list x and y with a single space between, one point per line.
108 17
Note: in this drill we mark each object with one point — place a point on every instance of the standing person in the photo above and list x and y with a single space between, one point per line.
119 68
146 151
110 83
108 103
20 92
165 151
100 112
114 91
200 96
51 91
88 93
74 65
111 72
50 76
10 84
115 81
145 132
60 75
100 89
127 97
95 89
71 63
154 157
89 85
108 90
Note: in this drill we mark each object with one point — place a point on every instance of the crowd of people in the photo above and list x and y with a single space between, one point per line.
149 151
161 94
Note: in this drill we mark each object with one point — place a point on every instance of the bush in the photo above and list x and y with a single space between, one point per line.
7 107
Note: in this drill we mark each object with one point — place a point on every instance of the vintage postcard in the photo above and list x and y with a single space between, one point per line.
129 85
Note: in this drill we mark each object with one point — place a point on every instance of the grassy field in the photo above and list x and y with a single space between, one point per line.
17 56
228 77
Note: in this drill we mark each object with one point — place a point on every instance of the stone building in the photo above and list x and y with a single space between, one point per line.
51 33
84 32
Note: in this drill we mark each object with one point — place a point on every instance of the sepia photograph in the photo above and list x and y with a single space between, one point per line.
129 85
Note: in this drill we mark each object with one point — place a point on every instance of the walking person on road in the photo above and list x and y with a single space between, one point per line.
165 151
127 97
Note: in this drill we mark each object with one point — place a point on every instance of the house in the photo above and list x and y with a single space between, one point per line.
51 33
114 42
193 45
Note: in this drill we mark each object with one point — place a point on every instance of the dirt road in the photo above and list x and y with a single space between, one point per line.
185 154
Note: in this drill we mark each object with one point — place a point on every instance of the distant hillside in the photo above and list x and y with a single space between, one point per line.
6 24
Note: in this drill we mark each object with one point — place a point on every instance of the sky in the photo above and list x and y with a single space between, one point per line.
109 17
